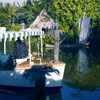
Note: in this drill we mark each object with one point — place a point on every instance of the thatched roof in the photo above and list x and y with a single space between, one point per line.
42 21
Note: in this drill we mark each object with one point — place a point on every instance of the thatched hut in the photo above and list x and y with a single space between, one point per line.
43 21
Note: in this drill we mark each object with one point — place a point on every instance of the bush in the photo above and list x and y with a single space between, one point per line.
13 27
49 38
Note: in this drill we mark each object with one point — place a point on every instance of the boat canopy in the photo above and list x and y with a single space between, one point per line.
21 34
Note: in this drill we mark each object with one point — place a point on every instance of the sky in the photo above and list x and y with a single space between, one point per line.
11 1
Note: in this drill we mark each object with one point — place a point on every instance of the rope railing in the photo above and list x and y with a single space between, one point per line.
68 34
73 27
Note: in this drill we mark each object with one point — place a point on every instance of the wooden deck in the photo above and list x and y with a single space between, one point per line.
28 66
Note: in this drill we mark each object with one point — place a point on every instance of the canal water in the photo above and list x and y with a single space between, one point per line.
81 78
82 73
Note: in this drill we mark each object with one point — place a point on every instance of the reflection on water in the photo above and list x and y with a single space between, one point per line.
69 93
82 69
82 73
83 61
81 78
23 96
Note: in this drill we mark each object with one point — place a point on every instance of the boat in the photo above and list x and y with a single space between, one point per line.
75 45
84 33
30 77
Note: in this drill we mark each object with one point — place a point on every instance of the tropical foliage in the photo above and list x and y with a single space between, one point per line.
49 38
67 11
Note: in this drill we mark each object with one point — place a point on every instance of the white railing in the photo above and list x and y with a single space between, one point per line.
22 34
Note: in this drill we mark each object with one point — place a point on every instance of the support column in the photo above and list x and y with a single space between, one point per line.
41 45
29 47
4 47
4 43
56 47
37 46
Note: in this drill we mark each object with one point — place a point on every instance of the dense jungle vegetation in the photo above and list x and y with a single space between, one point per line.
67 12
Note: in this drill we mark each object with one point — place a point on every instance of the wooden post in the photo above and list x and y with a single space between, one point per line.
56 47
37 46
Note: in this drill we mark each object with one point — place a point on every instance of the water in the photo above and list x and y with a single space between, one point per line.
81 77
82 73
